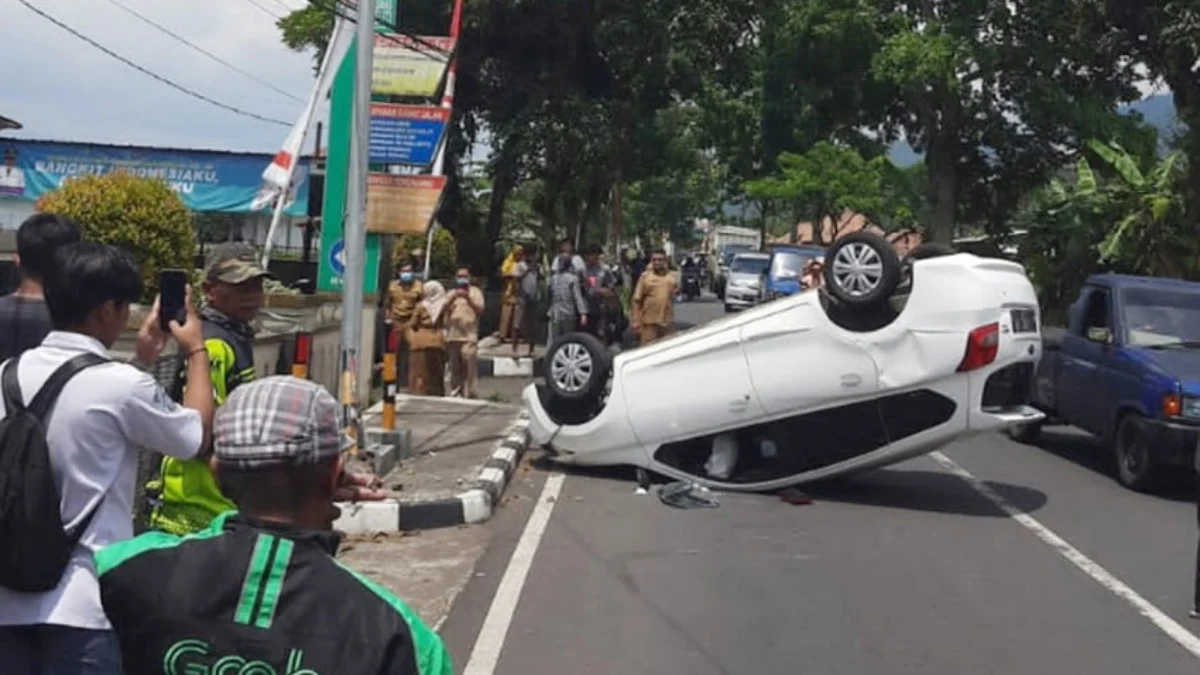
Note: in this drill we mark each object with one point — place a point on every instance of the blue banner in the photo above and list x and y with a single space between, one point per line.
406 134
205 180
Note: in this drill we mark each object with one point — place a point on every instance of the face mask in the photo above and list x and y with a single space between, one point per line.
406 277
461 281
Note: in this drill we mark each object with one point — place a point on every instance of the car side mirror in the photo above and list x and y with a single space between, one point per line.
1099 335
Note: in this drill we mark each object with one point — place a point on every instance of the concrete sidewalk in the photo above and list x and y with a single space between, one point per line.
448 466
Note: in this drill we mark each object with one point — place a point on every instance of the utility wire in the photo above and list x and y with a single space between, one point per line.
282 4
264 10
144 71
129 10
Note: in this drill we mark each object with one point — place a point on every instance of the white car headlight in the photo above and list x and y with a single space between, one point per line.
1190 408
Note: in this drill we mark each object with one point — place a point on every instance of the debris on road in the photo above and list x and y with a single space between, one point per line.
684 495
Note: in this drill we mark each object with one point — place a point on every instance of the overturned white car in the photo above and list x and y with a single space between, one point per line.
887 361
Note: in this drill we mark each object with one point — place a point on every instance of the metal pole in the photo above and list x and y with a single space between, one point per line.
356 213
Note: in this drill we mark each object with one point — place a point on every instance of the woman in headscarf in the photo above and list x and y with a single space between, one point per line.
427 353
510 271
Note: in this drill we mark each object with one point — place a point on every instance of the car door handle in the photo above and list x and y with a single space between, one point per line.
851 380
738 405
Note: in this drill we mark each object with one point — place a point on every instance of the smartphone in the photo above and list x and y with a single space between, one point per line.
172 292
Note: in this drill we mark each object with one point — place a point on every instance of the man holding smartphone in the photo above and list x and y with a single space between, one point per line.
233 294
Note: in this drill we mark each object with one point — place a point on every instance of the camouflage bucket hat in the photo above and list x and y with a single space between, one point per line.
233 264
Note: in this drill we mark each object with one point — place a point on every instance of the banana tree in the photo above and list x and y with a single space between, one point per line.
1151 237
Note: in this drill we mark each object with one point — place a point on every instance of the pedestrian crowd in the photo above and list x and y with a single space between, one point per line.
237 570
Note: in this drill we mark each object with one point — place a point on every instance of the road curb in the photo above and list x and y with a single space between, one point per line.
475 505
508 366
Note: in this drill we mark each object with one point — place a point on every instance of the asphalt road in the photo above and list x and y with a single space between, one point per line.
911 569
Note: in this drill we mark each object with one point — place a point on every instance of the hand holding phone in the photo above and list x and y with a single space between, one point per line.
172 290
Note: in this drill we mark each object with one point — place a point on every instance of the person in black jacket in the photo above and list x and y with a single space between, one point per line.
260 587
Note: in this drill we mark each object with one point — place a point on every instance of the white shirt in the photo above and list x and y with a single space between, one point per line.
100 419
12 181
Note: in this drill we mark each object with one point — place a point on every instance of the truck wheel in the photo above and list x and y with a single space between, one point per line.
861 270
1025 433
1135 465
577 367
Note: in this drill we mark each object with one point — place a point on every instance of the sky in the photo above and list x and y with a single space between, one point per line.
62 88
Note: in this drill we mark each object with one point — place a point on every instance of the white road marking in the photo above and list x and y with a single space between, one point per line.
486 652
1113 585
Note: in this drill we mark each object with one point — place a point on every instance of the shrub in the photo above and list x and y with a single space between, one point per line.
141 215
445 252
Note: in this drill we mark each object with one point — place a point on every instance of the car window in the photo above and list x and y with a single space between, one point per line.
749 265
788 264
1162 317
1094 307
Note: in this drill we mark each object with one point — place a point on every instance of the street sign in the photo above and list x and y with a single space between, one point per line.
334 205
385 14
337 257
406 134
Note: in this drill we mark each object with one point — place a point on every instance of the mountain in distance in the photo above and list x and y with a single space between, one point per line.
1158 111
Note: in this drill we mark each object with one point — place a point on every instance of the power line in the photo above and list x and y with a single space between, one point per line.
264 10
282 4
144 71
214 57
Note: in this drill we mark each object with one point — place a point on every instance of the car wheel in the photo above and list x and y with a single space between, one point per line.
862 269
728 308
577 367
1135 467
1025 433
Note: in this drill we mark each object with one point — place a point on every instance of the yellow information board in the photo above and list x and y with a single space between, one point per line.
408 67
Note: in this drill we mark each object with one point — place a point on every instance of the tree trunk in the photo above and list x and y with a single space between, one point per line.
617 222
503 182
941 163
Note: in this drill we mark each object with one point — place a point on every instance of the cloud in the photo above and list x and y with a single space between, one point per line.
62 88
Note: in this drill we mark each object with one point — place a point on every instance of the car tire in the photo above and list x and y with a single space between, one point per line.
1135 467
861 270
728 308
577 366
1027 434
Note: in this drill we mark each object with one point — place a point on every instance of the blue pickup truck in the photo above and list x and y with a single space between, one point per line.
1127 370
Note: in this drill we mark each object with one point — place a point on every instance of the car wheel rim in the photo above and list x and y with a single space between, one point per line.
571 368
1133 456
858 269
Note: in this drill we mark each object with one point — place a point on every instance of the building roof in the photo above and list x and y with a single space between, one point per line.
9 123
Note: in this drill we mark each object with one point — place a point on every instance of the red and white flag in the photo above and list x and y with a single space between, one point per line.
282 169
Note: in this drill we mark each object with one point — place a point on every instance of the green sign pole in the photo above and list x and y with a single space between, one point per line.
337 166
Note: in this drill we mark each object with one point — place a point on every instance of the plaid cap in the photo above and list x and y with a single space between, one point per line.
233 263
278 420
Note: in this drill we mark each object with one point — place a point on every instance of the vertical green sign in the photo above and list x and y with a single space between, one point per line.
332 263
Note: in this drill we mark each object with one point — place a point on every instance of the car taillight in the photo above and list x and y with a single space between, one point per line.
982 345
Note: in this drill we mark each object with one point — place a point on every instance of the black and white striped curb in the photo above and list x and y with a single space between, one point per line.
473 506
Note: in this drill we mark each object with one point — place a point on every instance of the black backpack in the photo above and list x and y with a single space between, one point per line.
37 547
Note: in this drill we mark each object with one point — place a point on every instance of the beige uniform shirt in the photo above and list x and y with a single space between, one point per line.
655 297
462 319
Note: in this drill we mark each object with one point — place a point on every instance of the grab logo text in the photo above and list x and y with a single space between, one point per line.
195 657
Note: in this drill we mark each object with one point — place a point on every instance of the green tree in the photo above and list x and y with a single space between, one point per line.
824 183
1152 235
141 215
